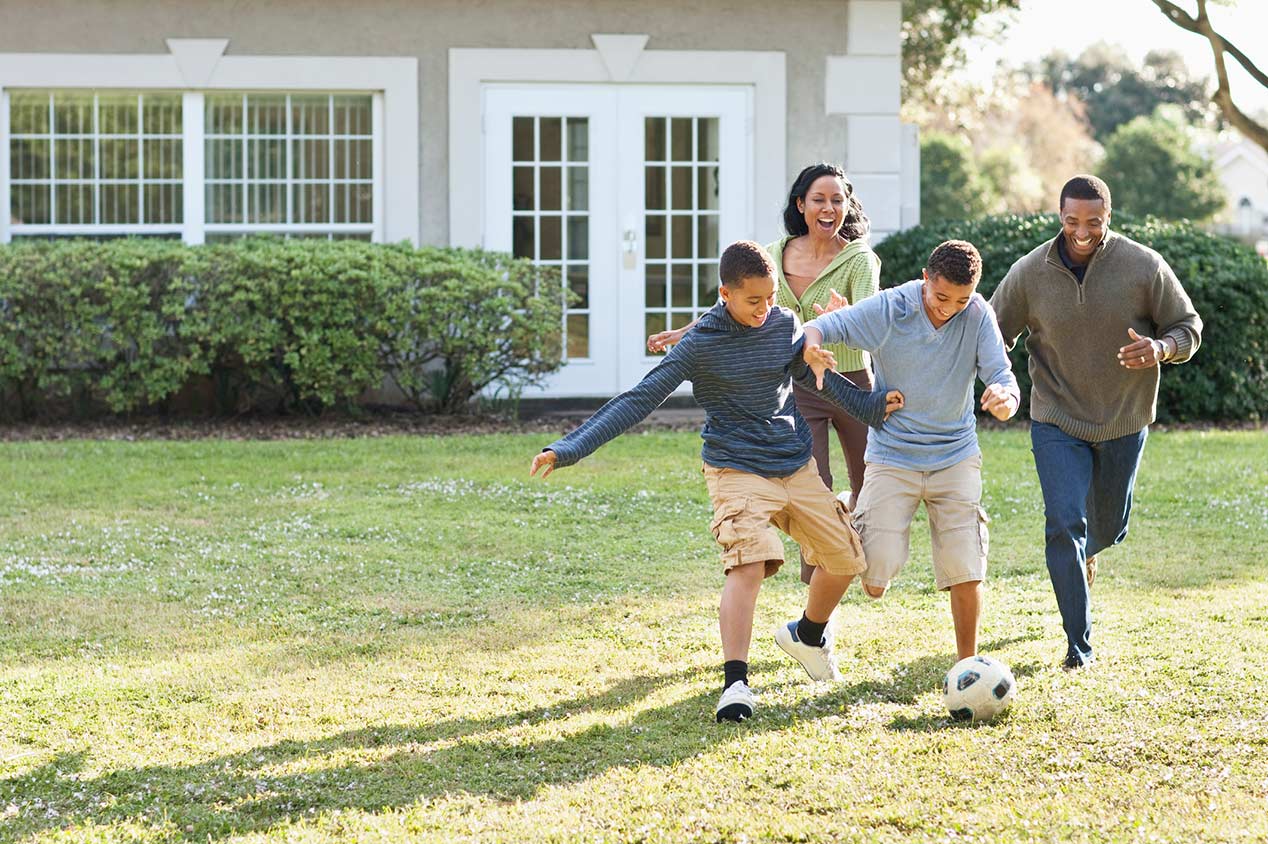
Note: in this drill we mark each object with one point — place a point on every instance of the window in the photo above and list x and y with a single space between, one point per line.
289 163
109 163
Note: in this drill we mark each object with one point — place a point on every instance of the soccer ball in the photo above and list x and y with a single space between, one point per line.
978 688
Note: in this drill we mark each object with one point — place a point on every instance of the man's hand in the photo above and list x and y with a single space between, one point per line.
544 460
893 401
835 303
820 360
665 339
1143 352
999 402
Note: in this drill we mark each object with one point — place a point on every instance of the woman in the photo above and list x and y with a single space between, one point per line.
825 251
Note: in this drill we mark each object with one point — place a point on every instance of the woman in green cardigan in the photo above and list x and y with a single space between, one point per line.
824 251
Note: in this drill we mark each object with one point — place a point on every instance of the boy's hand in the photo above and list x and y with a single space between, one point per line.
665 339
999 402
544 460
835 303
893 401
820 360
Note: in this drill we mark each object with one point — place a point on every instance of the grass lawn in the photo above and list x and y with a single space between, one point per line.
408 639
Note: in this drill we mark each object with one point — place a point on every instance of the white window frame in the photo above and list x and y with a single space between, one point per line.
196 66
616 59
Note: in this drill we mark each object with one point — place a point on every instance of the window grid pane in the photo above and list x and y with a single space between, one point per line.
79 158
279 160
550 223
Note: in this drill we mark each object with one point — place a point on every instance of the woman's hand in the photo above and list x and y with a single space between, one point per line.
665 339
835 303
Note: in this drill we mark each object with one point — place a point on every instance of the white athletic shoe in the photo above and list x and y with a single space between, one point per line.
818 661
736 703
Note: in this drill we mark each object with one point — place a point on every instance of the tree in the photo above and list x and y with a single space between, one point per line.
933 33
1114 90
1255 130
1025 141
1151 168
951 187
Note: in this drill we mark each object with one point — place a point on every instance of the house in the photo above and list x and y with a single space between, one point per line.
1243 169
624 143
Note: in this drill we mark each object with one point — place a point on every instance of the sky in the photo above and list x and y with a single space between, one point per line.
1042 26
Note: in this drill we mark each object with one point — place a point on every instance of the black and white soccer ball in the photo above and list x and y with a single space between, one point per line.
978 688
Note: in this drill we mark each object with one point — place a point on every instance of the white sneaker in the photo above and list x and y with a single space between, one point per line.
818 661
736 703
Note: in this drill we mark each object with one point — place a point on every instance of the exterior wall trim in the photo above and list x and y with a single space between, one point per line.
471 69
396 77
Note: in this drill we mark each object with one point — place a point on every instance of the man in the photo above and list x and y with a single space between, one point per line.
1103 313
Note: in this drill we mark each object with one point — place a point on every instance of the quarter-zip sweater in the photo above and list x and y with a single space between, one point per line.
1077 328
935 366
742 376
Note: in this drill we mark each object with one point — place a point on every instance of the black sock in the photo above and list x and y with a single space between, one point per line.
811 632
735 669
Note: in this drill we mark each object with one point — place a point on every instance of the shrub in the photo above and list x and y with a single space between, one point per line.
467 321
1228 377
277 325
91 324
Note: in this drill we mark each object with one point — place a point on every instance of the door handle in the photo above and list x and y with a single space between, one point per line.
629 252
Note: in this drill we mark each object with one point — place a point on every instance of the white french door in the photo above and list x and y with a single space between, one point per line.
631 192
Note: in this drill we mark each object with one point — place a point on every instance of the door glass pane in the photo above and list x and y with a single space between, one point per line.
689 237
549 201
578 139
681 138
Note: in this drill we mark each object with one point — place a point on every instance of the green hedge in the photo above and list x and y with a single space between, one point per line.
266 325
1227 380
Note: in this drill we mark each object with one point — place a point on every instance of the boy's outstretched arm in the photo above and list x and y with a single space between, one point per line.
620 414
870 408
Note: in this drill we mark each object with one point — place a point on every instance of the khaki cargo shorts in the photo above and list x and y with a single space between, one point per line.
957 523
747 509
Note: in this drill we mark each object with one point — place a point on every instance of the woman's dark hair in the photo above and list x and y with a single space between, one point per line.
854 224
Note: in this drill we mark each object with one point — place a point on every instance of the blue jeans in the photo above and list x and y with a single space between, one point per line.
1087 500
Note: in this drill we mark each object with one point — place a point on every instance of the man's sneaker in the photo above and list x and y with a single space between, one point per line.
736 703
1073 662
817 660
1090 568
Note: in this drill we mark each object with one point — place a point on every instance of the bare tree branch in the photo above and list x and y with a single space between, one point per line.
1223 97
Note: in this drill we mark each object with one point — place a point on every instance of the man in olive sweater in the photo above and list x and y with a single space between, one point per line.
1103 313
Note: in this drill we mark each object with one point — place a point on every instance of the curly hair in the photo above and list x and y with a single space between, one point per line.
744 259
854 224
957 261
1085 187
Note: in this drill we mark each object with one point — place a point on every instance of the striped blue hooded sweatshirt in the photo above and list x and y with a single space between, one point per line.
742 376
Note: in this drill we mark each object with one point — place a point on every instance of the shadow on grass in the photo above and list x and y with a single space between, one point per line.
243 793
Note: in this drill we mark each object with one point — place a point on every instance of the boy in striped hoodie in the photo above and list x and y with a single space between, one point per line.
741 360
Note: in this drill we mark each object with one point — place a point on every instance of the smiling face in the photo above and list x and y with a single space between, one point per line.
944 299
1083 224
824 206
750 302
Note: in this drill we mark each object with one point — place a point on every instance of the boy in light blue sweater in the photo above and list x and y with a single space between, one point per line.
741 360
934 335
